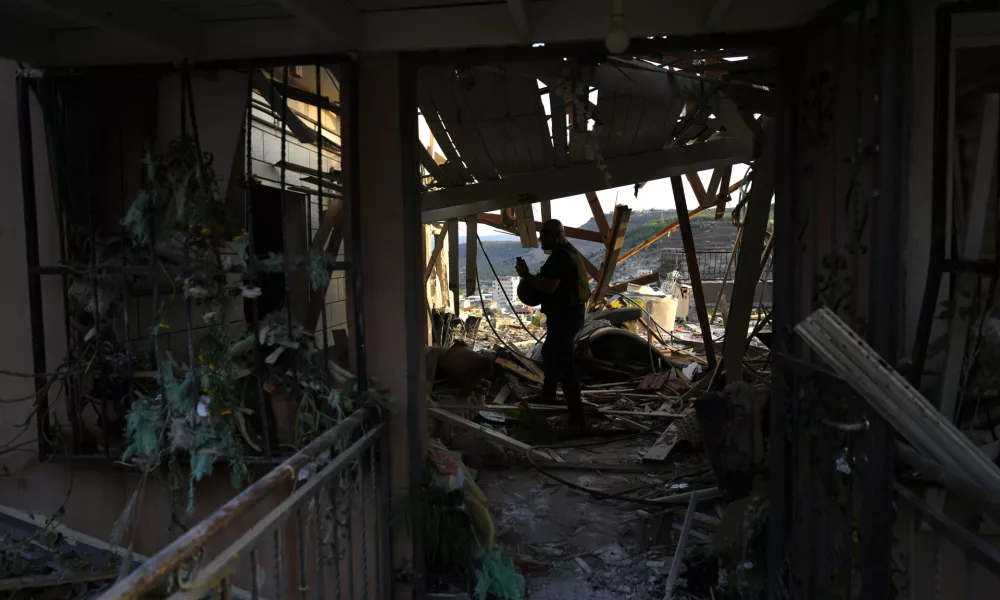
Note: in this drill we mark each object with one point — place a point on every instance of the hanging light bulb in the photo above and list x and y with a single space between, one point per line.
616 40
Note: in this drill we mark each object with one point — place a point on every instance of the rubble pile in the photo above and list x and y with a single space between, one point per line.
659 493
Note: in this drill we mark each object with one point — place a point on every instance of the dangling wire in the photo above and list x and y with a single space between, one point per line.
509 303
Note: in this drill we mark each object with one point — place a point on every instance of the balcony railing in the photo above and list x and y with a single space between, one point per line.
325 535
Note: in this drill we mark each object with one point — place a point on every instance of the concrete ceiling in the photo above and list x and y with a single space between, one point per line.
99 32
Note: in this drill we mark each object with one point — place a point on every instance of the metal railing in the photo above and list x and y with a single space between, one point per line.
711 264
326 534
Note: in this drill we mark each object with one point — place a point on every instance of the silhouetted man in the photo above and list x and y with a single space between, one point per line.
562 281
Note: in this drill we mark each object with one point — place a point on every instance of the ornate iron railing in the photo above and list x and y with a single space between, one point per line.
325 533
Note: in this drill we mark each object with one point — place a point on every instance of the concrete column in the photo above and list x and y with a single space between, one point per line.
392 269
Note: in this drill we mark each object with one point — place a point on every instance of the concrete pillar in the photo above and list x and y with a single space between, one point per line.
392 269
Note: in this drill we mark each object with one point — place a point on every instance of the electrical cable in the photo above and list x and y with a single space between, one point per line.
599 493
509 303
482 302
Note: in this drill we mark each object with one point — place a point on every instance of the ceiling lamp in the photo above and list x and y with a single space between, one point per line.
616 40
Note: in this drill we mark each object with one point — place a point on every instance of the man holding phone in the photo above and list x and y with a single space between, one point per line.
563 284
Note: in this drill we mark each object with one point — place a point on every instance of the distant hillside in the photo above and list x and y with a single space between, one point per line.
709 234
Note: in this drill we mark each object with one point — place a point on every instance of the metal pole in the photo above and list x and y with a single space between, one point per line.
352 181
32 256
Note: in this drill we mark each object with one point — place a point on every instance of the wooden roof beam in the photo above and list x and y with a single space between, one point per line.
598 212
496 221
550 184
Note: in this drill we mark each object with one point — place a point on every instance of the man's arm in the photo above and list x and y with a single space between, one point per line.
545 285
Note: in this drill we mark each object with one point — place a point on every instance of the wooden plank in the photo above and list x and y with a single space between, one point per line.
599 217
616 237
972 245
546 211
712 193
327 223
691 253
523 372
656 237
697 187
453 283
571 232
441 176
722 195
435 253
592 270
471 253
482 431
663 445
748 271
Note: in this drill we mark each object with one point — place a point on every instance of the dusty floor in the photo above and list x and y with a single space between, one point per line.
587 547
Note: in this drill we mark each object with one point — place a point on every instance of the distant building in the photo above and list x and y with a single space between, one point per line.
506 285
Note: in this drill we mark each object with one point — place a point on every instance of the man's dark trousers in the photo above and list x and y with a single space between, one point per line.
559 361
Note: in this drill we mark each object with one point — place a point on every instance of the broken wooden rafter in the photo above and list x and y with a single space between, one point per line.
752 245
697 187
441 176
435 253
659 234
527 227
471 254
691 254
550 184
713 186
598 212
656 237
721 196
576 233
592 270
616 237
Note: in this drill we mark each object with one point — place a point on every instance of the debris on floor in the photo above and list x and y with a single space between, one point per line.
659 495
